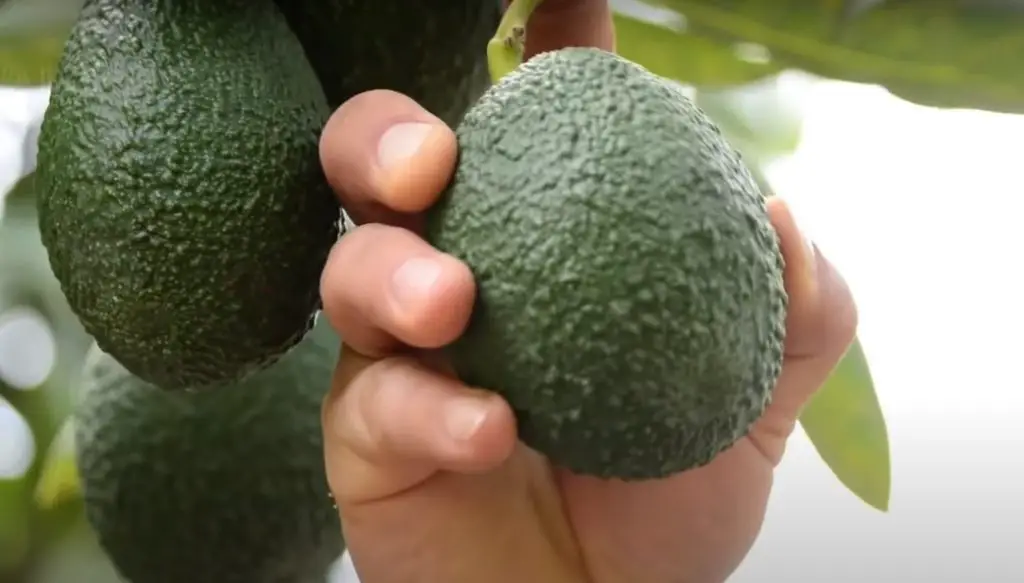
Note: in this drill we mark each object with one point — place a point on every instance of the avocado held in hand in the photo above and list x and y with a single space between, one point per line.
182 202
630 301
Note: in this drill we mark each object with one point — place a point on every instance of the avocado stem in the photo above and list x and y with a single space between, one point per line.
506 47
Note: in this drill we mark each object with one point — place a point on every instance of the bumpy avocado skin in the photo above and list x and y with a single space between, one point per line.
630 294
181 201
224 486
433 51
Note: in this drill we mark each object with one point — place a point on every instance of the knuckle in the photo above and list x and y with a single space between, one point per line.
847 320
357 103
331 280
346 371
383 385
841 318
358 243
373 109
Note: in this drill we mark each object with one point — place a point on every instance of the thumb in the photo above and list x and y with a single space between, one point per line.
821 324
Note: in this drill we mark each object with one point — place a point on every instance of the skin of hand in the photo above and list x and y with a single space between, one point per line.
429 479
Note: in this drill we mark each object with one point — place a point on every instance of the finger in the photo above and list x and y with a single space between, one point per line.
390 424
822 315
820 326
558 24
383 286
386 157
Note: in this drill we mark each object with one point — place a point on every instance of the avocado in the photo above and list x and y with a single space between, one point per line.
630 301
433 51
181 198
224 486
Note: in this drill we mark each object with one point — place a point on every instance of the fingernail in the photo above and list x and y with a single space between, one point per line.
810 251
401 142
463 417
414 279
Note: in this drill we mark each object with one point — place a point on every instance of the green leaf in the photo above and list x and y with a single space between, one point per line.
756 118
58 478
688 58
29 60
22 194
77 557
32 37
844 421
14 523
944 53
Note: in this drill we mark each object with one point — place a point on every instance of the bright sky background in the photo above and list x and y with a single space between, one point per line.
922 210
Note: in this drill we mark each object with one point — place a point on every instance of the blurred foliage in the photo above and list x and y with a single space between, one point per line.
28 530
729 54
845 423
58 475
942 53
32 35
658 47
945 53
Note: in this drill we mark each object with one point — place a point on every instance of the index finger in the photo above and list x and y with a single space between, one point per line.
558 24
383 287
389 159
820 326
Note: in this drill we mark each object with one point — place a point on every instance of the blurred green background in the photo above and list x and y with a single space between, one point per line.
875 118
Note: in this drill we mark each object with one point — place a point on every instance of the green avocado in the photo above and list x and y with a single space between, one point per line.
224 486
630 301
433 51
181 198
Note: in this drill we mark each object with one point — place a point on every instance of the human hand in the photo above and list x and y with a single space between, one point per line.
429 478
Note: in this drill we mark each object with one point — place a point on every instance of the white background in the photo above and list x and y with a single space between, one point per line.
922 210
